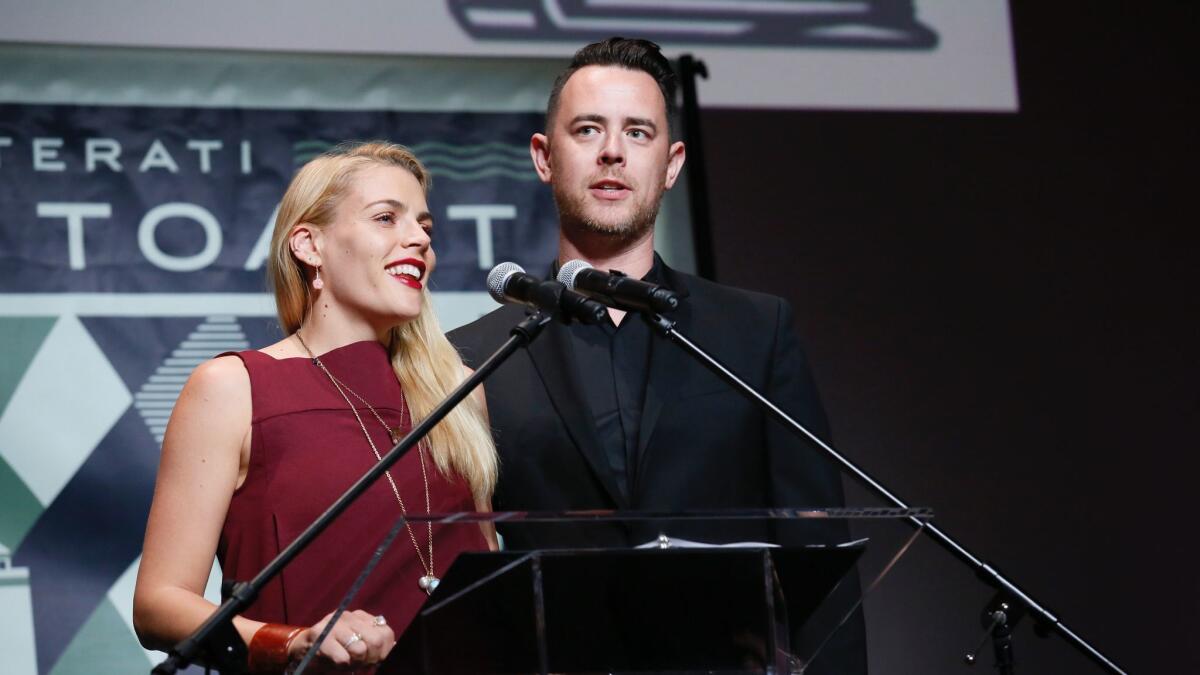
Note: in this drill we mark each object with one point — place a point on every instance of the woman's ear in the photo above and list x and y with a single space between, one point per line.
304 241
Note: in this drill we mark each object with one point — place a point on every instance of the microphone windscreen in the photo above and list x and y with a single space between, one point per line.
498 277
569 270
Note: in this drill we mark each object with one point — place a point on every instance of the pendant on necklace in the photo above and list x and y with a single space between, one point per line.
394 434
428 583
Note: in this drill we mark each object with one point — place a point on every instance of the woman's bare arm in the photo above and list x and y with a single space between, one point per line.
203 460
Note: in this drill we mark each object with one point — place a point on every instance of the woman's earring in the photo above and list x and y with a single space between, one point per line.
317 283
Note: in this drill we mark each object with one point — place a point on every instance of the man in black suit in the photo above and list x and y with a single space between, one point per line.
613 417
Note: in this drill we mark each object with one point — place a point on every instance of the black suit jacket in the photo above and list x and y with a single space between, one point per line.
702 445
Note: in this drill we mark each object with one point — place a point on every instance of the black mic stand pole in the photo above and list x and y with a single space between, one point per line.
216 638
1045 621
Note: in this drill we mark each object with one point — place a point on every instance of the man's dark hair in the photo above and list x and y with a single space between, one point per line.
629 53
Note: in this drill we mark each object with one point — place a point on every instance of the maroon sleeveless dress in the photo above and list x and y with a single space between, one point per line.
306 449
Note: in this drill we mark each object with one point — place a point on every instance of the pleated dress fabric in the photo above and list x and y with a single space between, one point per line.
307 448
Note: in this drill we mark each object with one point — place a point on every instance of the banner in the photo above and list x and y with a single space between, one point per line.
120 199
132 241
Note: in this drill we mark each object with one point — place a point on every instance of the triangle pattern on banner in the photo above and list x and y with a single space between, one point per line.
21 337
103 638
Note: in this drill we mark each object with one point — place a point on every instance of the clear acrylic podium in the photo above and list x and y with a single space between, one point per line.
670 606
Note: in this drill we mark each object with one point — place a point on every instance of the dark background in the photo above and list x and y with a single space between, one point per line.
1000 313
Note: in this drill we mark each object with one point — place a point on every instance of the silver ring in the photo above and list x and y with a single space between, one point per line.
353 638
380 621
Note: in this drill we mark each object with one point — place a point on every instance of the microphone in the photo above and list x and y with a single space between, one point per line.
616 289
508 283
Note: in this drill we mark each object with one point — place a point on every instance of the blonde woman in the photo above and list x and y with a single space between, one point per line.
261 442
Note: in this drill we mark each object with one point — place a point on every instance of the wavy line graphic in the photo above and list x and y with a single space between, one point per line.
435 146
479 160
318 146
487 172
303 151
456 162
315 144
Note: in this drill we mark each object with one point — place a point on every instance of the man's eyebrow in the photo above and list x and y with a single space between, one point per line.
424 217
641 122
589 117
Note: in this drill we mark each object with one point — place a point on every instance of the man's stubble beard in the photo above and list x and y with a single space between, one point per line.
572 215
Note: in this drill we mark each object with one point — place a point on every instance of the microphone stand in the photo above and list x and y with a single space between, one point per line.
216 639
1007 590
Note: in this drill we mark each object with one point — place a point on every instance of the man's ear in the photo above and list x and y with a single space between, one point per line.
675 158
304 241
539 150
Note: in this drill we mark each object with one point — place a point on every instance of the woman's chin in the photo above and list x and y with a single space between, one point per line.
399 317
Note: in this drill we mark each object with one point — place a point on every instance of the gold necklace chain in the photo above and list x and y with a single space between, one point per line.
430 580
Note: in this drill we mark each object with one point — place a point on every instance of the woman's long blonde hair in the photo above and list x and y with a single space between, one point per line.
425 362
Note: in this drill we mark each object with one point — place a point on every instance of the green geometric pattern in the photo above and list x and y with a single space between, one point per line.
20 508
104 645
21 337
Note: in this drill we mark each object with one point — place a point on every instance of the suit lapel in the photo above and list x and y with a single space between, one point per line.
554 358
668 365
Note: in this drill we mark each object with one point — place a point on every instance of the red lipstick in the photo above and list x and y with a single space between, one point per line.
407 277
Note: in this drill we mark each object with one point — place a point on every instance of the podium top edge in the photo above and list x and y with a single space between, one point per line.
920 514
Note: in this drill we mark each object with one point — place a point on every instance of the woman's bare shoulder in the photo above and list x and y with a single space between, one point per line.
223 378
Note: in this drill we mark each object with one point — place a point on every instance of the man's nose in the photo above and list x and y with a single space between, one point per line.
613 150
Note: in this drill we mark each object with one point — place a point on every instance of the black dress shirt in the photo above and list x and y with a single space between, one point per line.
615 362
